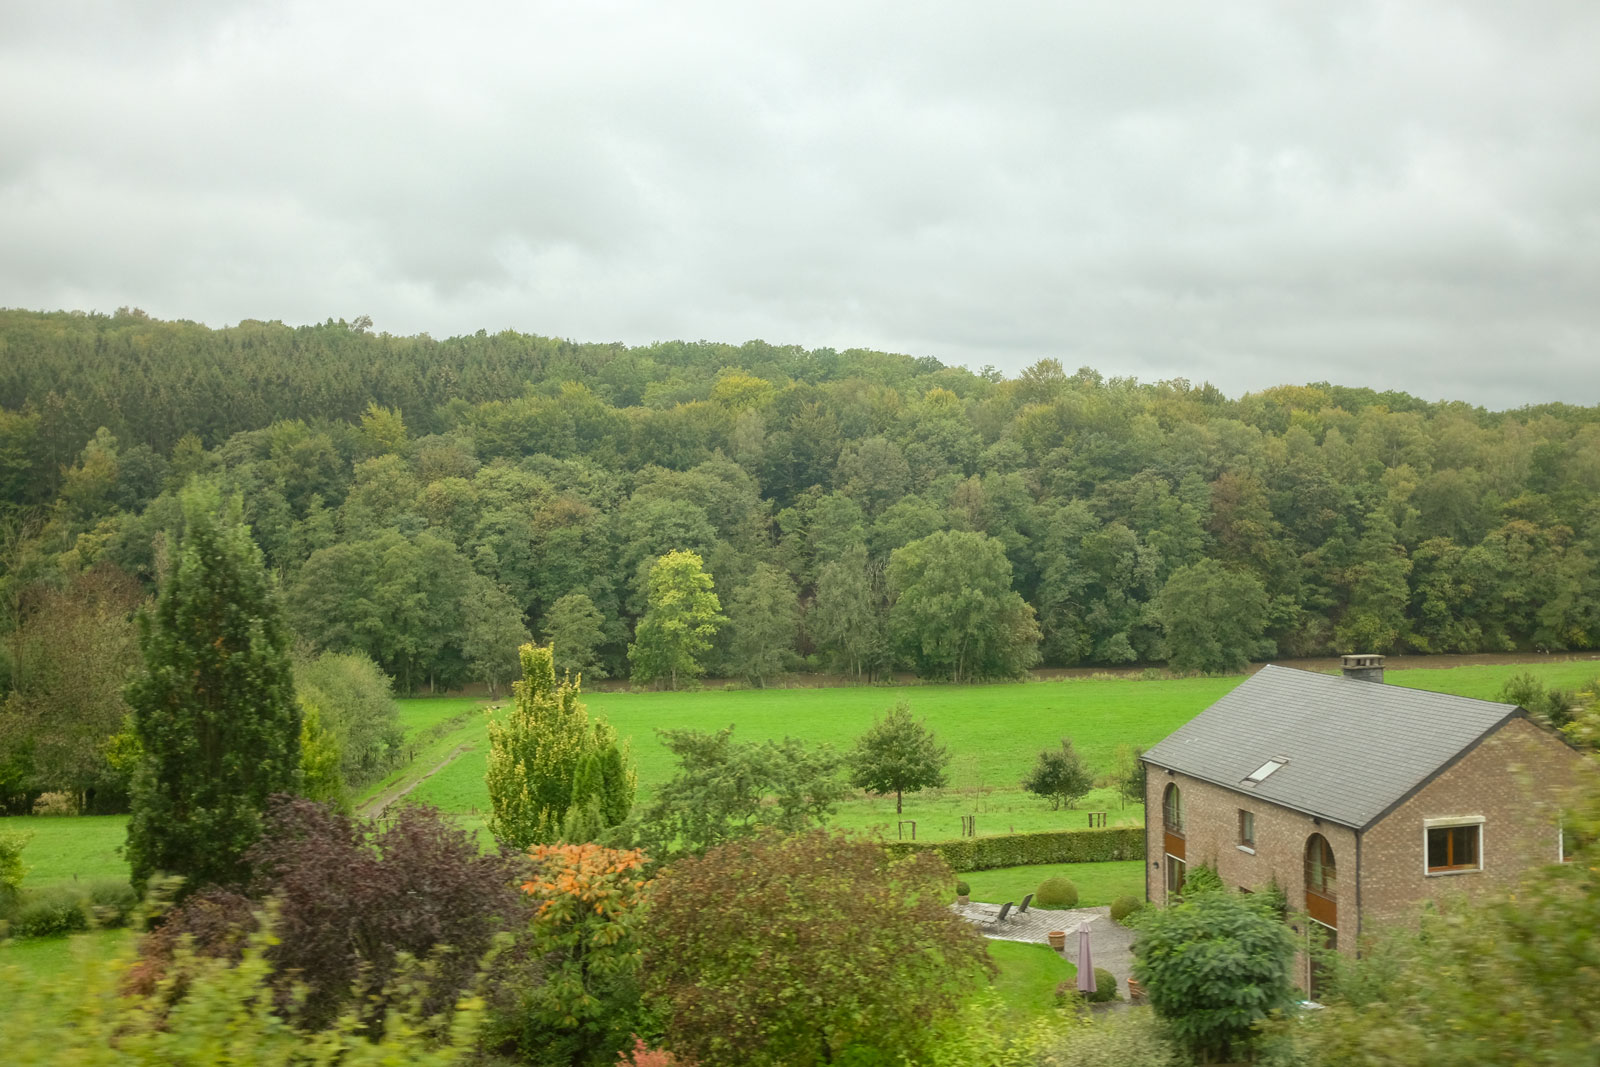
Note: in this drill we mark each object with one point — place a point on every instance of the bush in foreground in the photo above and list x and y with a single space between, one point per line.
227 1015
1124 907
1215 967
814 948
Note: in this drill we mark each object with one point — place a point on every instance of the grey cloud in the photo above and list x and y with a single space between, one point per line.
1396 195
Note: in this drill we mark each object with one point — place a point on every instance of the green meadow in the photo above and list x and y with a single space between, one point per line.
993 733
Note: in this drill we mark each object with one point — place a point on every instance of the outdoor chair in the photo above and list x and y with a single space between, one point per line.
1025 902
1005 910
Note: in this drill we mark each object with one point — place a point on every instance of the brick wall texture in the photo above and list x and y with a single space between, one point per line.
1515 779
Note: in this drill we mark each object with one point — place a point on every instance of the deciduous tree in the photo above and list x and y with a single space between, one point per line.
955 614
764 615
1060 775
575 628
898 755
1213 618
682 615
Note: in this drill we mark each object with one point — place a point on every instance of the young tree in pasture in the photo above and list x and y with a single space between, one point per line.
214 708
1213 618
898 755
764 615
1060 775
682 615
491 634
726 789
955 614
859 956
1130 774
536 751
1215 967
575 628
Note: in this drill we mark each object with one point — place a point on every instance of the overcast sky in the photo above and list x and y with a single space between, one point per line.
1403 195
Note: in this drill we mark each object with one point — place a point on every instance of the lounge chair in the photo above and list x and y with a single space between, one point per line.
1025 902
1005 909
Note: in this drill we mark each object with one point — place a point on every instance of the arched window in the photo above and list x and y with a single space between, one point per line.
1172 810
1322 877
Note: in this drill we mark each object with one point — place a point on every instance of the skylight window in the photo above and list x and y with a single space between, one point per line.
1263 772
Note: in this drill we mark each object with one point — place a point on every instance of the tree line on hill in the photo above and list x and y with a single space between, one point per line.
430 505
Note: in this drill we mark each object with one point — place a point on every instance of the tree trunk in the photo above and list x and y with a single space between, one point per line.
897 808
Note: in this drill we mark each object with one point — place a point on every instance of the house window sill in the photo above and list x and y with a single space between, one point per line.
1245 848
1454 870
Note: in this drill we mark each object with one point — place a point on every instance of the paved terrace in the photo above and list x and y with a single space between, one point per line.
1108 942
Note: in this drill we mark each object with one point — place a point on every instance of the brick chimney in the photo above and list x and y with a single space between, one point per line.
1363 668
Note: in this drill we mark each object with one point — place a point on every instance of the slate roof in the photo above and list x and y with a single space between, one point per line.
1354 748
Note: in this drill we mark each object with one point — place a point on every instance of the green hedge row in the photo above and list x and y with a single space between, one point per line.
1017 850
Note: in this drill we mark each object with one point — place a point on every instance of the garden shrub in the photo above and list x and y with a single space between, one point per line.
1123 907
49 912
1105 989
354 896
963 889
111 901
1021 850
808 948
56 804
1056 893
1215 967
217 924
1202 879
1123 1039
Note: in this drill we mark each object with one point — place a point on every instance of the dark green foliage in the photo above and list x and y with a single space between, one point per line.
12 870
1056 893
1060 775
1105 989
727 789
1214 967
963 889
1554 706
954 613
807 949
1213 618
898 755
1202 878
576 630
1124 907
49 912
1019 850
214 708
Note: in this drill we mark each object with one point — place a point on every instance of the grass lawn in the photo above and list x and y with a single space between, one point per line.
57 957
1028 976
992 731
1098 883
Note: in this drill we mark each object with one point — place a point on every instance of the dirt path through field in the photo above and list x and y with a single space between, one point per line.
375 807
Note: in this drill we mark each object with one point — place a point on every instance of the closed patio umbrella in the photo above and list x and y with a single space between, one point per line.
1085 960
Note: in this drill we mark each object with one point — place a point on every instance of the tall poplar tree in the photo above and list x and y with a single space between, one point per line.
213 709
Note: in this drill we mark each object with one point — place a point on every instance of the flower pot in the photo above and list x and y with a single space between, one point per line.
1058 939
963 900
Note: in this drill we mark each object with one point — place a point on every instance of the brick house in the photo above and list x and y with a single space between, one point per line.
1362 799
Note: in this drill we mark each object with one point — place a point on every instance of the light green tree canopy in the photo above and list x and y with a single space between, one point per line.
546 758
682 615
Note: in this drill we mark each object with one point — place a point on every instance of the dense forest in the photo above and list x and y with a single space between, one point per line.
429 504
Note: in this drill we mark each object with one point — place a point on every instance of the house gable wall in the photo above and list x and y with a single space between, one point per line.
1515 779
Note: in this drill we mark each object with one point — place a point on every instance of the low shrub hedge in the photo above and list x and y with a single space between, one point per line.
1020 850
48 912
1056 893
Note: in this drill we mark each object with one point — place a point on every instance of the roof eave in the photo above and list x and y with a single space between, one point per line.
1233 788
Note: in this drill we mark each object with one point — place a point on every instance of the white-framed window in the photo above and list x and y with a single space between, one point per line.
1452 846
1247 829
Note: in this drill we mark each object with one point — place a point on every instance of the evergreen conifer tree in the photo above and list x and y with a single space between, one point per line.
213 709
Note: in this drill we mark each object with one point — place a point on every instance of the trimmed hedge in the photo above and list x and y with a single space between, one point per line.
1020 850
